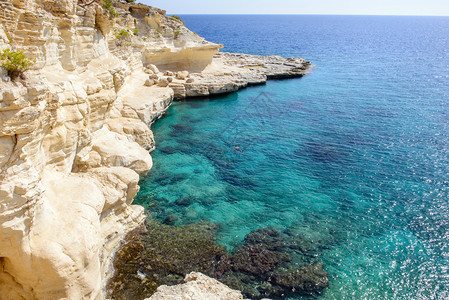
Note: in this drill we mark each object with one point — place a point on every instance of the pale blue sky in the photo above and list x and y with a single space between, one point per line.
357 7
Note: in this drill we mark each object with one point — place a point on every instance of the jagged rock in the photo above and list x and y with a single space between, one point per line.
148 71
169 73
170 79
190 80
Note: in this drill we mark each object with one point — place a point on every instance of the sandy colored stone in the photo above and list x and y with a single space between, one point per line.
197 286
183 75
149 82
153 68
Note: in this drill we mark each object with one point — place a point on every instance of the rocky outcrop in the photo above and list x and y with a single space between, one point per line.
229 72
197 287
75 131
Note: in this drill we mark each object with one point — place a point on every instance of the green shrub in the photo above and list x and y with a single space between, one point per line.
130 1
177 18
107 5
176 33
122 34
136 31
15 62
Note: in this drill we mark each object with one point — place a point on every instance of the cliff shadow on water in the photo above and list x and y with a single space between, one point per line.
158 254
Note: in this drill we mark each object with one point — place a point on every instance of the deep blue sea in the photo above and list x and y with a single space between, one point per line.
354 156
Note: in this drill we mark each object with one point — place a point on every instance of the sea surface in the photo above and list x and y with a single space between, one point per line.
354 156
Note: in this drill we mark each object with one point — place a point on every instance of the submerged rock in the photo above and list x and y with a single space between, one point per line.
308 278
185 201
257 259
162 256
171 219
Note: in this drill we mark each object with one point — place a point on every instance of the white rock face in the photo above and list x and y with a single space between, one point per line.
74 138
197 287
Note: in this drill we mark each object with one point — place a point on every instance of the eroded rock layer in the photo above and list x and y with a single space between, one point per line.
75 131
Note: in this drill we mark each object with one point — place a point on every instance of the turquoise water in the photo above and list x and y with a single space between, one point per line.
353 157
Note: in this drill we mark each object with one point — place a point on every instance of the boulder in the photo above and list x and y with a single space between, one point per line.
197 286
163 82
182 75
153 68
149 82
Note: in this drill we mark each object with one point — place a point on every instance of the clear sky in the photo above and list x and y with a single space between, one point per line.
336 7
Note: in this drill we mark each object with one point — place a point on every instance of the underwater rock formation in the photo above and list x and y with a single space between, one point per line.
163 255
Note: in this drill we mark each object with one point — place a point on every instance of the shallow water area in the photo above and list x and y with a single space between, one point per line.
353 158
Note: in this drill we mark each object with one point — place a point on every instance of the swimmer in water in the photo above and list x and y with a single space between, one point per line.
236 147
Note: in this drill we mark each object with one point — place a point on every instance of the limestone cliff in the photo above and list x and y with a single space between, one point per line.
75 131
74 137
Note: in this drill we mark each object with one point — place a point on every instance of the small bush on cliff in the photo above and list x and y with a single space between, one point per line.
15 62
107 5
177 18
122 34
122 38
136 31
130 1
176 33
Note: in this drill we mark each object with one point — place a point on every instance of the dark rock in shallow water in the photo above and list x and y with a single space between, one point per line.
267 236
185 201
236 179
308 278
196 104
168 150
182 127
170 178
180 130
257 259
325 153
171 219
163 255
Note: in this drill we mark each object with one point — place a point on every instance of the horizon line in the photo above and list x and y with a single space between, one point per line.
306 14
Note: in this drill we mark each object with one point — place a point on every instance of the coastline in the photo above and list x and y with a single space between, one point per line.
76 131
